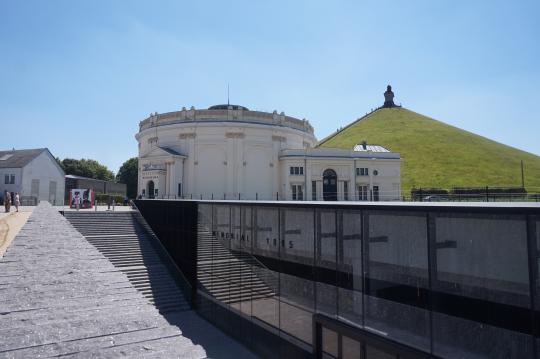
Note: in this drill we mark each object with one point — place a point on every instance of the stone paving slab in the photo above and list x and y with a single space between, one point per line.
60 296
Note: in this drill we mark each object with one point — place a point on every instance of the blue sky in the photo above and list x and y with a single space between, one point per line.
78 76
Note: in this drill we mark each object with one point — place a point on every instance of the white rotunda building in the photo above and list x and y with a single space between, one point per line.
230 152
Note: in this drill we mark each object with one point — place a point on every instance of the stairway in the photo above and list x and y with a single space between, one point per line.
231 276
130 248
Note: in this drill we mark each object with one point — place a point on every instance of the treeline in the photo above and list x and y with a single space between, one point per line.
86 168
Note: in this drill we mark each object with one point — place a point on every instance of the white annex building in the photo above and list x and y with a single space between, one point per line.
34 174
230 152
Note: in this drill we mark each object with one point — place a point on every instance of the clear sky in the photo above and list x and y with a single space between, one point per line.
78 76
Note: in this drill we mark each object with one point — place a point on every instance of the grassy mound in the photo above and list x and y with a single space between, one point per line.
435 154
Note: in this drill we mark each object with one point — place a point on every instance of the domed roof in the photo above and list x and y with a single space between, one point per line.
226 107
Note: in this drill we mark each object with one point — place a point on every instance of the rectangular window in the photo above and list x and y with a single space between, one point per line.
375 193
362 171
345 191
362 193
297 192
179 190
296 170
12 179
313 190
6 179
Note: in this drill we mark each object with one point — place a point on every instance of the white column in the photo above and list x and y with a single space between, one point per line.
163 186
172 179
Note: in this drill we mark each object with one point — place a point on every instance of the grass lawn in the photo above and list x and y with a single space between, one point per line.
435 154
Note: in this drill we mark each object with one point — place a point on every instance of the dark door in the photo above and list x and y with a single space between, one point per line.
151 189
375 193
330 185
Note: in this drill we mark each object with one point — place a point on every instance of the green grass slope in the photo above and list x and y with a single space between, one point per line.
435 154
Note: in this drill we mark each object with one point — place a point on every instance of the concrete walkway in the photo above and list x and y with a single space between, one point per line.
60 297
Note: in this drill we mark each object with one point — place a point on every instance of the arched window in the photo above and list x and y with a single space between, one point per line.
329 185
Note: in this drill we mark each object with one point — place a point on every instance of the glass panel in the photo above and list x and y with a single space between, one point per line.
325 270
481 269
397 277
455 337
536 221
265 304
248 277
238 267
297 255
375 353
222 273
204 247
329 343
266 232
350 348
350 266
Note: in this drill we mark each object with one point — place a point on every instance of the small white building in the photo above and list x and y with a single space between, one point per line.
230 152
34 174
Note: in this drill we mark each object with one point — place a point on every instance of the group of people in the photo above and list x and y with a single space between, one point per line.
7 201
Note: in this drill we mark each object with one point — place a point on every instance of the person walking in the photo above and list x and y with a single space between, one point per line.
77 201
7 201
17 201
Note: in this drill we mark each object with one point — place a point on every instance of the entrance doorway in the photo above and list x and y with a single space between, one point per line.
330 185
150 189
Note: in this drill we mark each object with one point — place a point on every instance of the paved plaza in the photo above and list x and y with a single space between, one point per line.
59 296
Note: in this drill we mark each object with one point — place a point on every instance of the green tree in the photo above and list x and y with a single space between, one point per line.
128 174
87 168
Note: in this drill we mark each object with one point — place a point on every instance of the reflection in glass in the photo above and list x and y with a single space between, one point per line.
350 348
481 269
375 353
204 244
265 303
222 271
369 268
325 262
536 221
245 251
350 266
296 293
397 280
329 343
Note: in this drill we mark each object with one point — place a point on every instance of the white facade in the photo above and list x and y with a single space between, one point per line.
36 177
229 152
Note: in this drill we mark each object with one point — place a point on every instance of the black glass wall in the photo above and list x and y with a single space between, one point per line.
441 280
